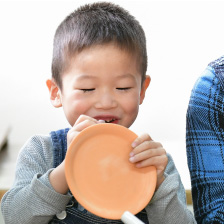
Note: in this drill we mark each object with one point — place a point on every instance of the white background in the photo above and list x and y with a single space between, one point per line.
182 36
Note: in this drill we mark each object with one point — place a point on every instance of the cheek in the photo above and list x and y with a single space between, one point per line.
131 105
130 112
74 108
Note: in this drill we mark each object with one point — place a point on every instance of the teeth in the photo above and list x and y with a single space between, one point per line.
109 121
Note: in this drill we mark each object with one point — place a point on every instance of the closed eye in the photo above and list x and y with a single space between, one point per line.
126 88
87 90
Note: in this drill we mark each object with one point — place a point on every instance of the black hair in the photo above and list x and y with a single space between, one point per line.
97 23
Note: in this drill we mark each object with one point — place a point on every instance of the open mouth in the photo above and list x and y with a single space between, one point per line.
109 120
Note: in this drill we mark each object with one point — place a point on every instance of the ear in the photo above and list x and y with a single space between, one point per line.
55 93
144 88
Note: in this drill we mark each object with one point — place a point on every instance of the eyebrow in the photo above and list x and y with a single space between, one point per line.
83 77
128 75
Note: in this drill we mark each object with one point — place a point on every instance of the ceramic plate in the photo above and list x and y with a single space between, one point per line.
100 175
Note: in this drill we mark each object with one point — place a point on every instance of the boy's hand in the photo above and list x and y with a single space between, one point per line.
146 152
81 123
57 176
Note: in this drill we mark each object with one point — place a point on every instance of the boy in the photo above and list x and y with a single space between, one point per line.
98 75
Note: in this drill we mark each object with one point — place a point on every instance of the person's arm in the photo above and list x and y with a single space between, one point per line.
32 199
205 148
57 176
168 204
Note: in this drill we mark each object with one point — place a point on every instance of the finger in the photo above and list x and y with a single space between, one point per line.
83 124
159 162
146 154
140 139
83 117
146 145
77 128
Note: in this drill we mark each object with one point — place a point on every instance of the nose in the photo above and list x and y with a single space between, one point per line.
106 100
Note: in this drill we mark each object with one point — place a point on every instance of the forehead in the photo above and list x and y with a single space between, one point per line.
107 53
102 62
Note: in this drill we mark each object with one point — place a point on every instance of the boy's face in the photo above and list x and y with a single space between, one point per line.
102 82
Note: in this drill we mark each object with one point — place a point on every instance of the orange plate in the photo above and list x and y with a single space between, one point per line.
100 176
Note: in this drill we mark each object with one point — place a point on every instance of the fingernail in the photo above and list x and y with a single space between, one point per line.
134 144
131 154
101 121
131 159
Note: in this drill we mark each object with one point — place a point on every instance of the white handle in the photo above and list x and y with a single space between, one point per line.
129 218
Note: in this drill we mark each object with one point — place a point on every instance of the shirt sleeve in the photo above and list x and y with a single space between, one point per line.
205 144
168 204
32 199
